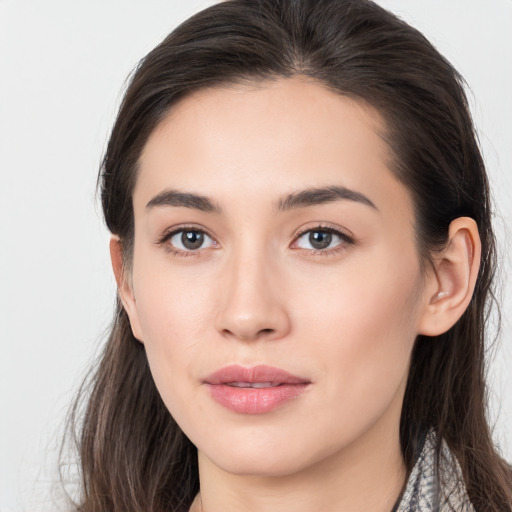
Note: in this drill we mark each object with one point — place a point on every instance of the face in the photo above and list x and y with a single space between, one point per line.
275 284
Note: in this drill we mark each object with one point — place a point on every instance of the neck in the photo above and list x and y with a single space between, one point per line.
367 475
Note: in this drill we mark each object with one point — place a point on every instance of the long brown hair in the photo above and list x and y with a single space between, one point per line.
134 457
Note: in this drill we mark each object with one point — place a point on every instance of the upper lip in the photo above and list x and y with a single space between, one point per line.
260 373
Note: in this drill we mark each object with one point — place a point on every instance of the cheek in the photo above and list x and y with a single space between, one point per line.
172 299
379 290
360 326
176 315
168 307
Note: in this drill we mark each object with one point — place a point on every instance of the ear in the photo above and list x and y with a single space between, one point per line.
124 286
451 283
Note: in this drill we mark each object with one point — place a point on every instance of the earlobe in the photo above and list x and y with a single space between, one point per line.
124 286
453 278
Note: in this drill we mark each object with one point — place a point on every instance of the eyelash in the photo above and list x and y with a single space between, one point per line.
174 231
345 238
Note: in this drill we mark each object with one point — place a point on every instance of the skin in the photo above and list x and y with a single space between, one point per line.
257 292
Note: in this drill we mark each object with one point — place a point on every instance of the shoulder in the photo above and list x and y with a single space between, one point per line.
435 483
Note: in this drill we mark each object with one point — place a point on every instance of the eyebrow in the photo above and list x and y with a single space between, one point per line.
314 196
184 199
299 199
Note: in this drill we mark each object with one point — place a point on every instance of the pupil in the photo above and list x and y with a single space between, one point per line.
192 239
320 239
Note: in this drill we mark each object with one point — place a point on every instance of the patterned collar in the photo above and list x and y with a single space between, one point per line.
435 487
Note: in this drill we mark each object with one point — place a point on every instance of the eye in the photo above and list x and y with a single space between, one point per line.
322 239
188 240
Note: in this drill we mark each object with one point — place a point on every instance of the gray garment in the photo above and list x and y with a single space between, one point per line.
430 489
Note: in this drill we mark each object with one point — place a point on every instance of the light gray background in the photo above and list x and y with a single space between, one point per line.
62 66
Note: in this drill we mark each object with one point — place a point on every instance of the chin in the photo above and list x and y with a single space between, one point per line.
260 455
263 465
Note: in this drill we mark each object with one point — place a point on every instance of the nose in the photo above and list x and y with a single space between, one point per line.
252 301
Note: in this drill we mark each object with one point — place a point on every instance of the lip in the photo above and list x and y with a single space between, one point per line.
278 387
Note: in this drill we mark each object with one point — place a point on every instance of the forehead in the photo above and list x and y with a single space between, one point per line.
258 140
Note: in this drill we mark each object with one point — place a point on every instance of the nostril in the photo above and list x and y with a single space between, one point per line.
248 336
247 321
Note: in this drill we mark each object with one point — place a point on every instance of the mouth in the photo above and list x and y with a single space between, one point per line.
254 385
256 390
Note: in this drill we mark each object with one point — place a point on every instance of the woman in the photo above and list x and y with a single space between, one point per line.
304 256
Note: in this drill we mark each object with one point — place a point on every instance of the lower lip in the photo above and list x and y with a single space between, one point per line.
255 400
